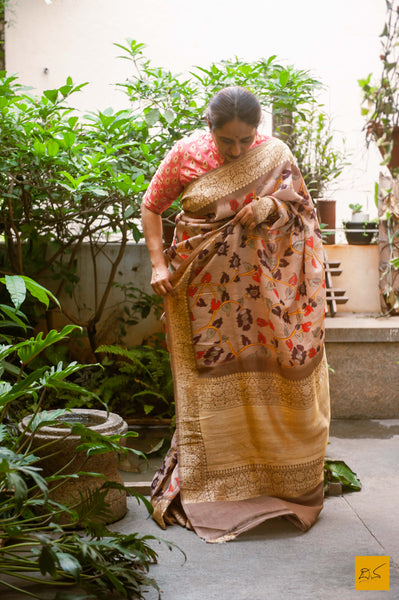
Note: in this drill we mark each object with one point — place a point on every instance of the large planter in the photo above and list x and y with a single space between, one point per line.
56 447
363 233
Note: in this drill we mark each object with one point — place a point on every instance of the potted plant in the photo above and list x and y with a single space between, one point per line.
321 163
360 230
35 546
381 110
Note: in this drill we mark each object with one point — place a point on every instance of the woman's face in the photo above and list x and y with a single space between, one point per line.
234 139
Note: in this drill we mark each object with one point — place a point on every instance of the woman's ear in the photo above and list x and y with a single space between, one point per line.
209 124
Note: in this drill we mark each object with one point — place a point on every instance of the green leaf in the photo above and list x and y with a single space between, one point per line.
14 315
72 121
48 561
283 78
152 116
52 148
52 95
338 470
39 292
69 564
3 434
17 484
46 418
16 287
30 348
71 179
169 116
39 148
69 138
128 212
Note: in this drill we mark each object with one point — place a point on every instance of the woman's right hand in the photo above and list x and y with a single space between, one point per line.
152 228
160 281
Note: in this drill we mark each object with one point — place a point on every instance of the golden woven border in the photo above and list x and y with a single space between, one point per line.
233 176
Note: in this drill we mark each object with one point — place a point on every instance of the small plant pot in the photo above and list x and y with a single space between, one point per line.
56 447
360 217
361 233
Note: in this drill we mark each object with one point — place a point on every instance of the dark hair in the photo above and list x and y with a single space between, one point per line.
233 102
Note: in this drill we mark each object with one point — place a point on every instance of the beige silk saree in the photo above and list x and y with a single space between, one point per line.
246 337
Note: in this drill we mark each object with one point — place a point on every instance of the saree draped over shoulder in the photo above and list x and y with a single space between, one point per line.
246 337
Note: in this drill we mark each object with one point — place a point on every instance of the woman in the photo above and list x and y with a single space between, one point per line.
243 284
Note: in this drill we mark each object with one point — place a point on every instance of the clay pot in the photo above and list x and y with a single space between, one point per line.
56 447
326 214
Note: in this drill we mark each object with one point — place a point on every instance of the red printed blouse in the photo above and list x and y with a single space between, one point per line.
189 158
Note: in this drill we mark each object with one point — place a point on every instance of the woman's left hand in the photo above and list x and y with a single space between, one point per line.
245 217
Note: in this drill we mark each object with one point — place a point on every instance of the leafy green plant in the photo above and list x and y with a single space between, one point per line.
356 208
312 143
33 541
380 105
65 183
174 107
137 305
137 382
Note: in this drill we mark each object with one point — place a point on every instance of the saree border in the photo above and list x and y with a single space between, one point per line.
235 175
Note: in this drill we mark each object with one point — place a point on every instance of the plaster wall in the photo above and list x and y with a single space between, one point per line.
47 40
359 277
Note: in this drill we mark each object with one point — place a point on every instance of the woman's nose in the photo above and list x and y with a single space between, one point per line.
236 150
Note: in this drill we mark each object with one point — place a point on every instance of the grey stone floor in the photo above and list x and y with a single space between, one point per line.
276 561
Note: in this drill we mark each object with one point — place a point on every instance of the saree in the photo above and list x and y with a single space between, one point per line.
246 337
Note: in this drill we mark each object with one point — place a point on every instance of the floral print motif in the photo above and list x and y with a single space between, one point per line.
256 295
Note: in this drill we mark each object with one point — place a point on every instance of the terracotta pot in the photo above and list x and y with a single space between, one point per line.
326 214
57 449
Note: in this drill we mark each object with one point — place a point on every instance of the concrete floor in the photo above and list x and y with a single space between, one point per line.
276 561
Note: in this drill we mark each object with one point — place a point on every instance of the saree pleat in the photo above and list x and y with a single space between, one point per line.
246 336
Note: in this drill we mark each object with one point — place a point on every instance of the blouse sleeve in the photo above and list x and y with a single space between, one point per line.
166 184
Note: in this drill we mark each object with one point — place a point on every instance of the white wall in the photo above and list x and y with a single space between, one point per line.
337 41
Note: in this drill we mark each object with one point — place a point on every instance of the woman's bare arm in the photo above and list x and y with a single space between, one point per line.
152 228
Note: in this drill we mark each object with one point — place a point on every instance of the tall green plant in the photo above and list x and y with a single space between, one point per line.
62 184
174 107
312 143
